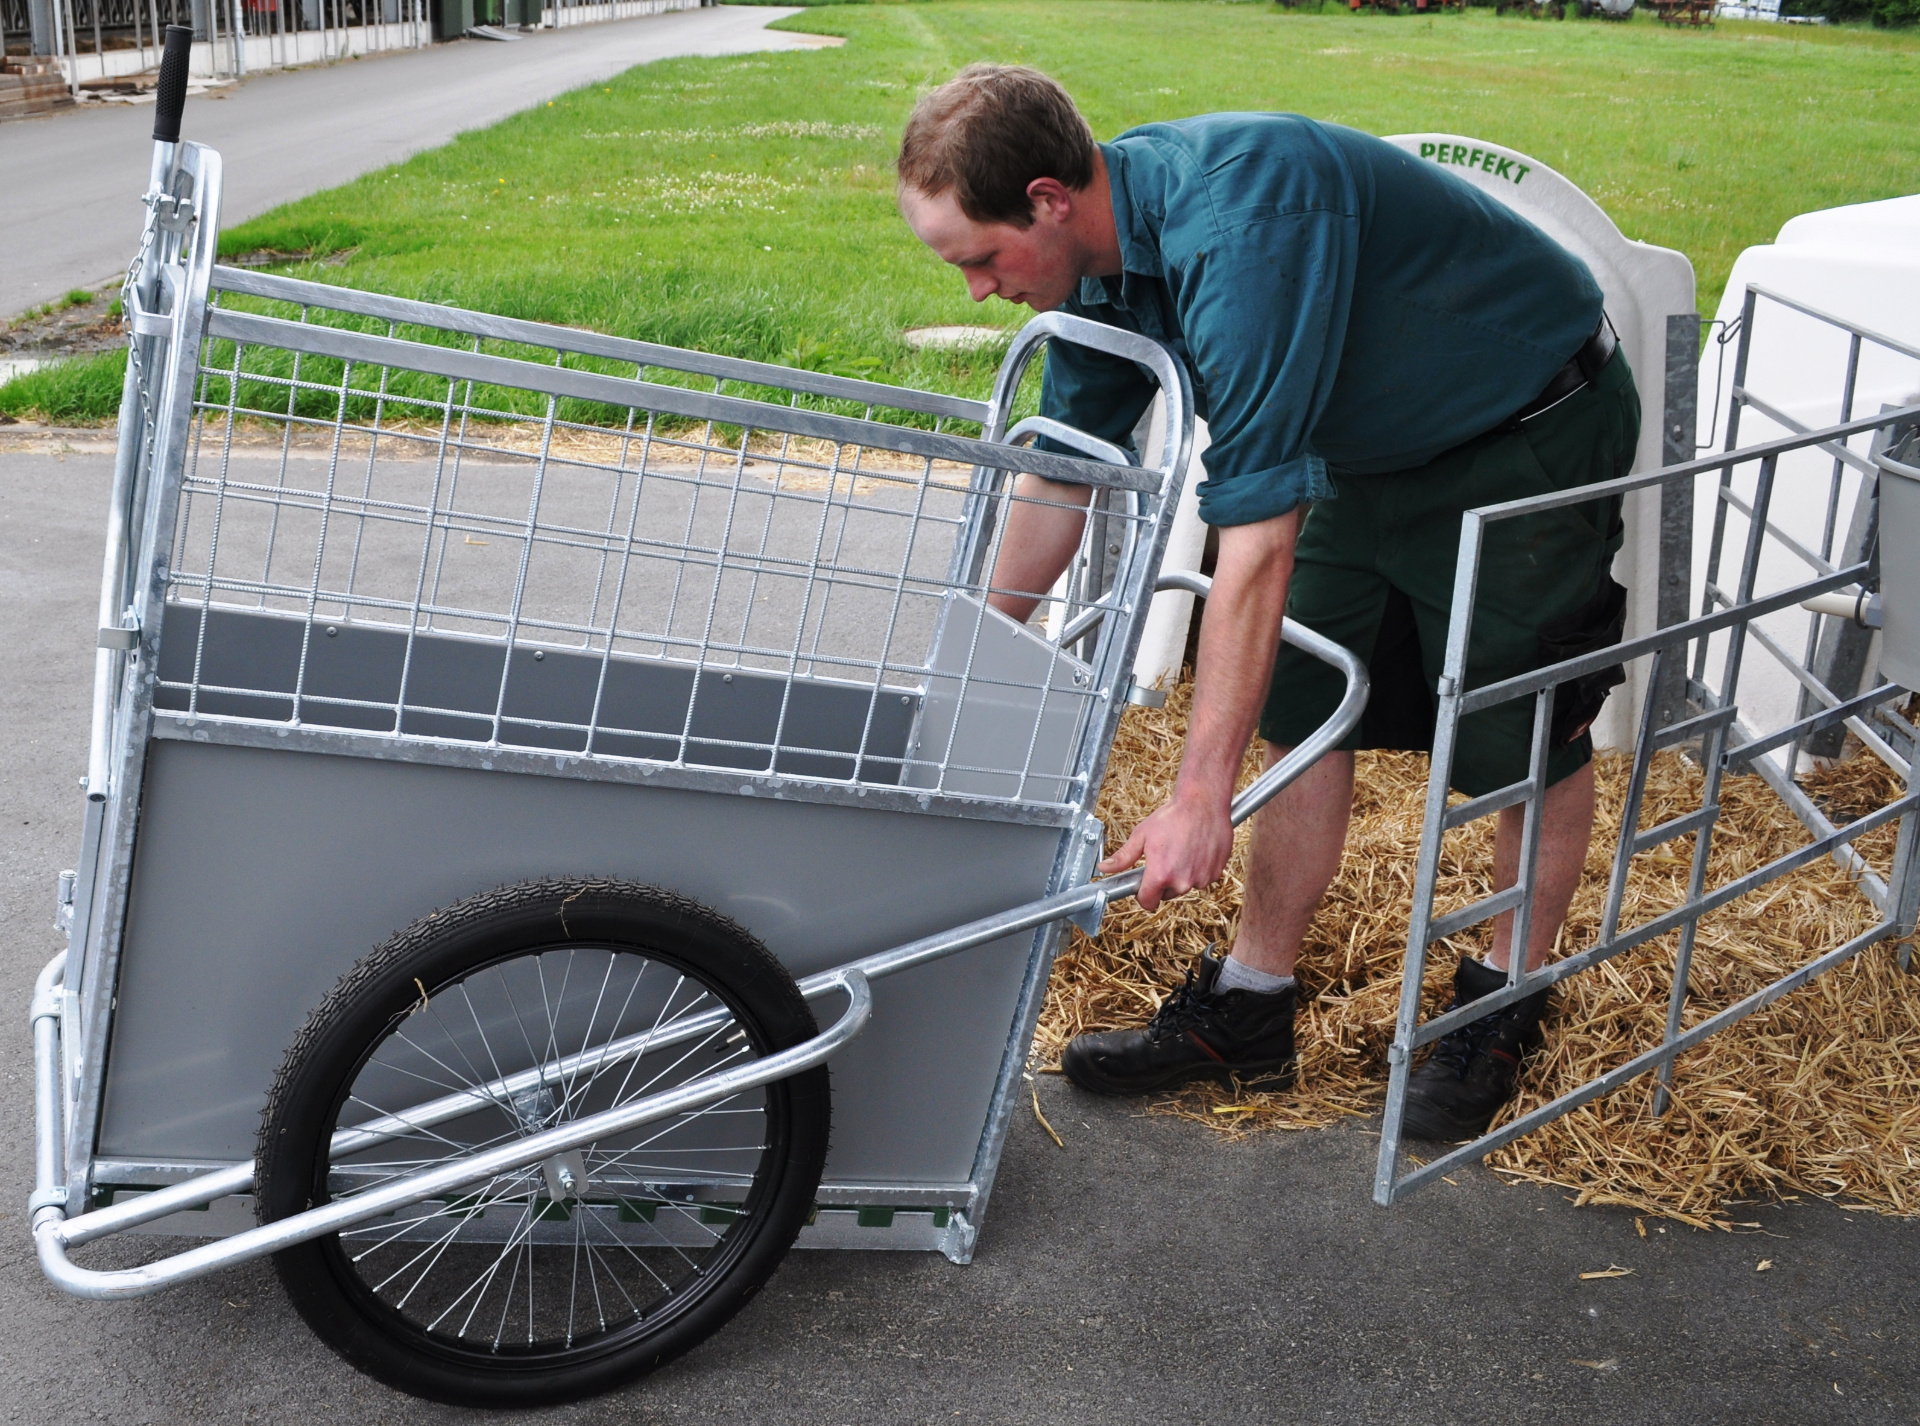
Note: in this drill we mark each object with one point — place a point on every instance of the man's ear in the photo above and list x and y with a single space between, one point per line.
1052 200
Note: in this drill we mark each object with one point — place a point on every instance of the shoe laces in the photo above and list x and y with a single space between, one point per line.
1180 1010
1458 1049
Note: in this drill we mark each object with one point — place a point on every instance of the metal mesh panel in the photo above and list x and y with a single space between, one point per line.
371 545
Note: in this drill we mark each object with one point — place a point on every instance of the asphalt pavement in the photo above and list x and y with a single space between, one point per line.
1145 1271
73 179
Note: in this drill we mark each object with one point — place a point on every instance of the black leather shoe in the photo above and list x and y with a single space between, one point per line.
1197 1033
1472 1072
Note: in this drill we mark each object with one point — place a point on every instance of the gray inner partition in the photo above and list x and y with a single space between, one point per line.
249 664
262 876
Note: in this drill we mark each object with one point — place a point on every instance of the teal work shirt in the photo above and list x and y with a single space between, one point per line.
1336 301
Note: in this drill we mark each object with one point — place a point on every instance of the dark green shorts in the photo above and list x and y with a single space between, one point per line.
1374 571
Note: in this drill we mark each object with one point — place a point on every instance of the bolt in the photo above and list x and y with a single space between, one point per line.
726 678
566 1179
539 654
332 630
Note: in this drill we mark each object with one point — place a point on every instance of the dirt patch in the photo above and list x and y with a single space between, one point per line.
63 329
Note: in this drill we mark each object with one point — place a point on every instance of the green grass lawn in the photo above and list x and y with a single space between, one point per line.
745 205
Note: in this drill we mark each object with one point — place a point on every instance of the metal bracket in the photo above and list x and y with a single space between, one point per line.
124 640
175 214
63 903
1092 838
46 1198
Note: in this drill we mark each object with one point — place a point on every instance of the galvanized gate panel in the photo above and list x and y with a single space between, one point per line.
1709 652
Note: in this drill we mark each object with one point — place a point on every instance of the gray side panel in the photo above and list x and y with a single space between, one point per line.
261 877
352 676
1003 709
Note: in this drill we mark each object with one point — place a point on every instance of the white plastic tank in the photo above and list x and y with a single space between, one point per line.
1860 263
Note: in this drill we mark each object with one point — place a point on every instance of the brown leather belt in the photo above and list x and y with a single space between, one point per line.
1581 370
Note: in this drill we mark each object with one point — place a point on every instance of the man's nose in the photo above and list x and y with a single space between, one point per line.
980 286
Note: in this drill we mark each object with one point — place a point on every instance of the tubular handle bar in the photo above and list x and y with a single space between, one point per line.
55 1233
170 94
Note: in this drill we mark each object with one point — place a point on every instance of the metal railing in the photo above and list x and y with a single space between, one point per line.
1708 727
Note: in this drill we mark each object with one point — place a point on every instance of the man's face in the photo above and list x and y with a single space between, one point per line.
1038 265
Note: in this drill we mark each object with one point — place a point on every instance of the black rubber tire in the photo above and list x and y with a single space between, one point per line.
440 951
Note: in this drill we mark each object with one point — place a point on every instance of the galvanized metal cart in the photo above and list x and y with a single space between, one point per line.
625 701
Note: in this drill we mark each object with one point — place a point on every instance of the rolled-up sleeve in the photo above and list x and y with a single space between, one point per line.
1265 315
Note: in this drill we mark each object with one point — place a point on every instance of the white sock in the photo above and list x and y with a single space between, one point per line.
1236 975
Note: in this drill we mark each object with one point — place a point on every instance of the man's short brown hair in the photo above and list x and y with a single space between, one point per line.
990 131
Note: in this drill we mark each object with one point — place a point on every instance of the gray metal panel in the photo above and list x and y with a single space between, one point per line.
351 676
262 876
1004 709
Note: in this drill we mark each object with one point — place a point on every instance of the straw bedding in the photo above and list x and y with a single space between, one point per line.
1817 1094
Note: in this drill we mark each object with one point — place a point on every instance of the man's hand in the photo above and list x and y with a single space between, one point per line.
1186 843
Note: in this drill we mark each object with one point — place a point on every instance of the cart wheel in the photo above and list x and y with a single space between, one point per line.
577 1274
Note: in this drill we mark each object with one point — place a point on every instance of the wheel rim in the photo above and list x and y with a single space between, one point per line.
580 1252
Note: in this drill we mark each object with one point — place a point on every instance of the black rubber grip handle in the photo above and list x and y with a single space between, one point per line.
172 95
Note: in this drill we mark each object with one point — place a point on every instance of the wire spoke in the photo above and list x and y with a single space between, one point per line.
581 1243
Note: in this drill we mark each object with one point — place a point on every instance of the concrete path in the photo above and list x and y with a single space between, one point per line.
73 180
1145 1272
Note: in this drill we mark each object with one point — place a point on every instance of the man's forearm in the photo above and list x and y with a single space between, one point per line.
1239 636
1042 531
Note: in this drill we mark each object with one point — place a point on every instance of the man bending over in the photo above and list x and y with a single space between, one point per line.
1377 347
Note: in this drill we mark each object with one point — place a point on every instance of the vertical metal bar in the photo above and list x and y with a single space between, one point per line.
280 481
713 595
1520 924
320 545
1741 354
806 597
1446 730
520 574
620 582
1903 894
607 536
213 535
426 555
1675 589
1643 749
1817 624
698 489
893 625
1735 401
1715 745
453 486
366 486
